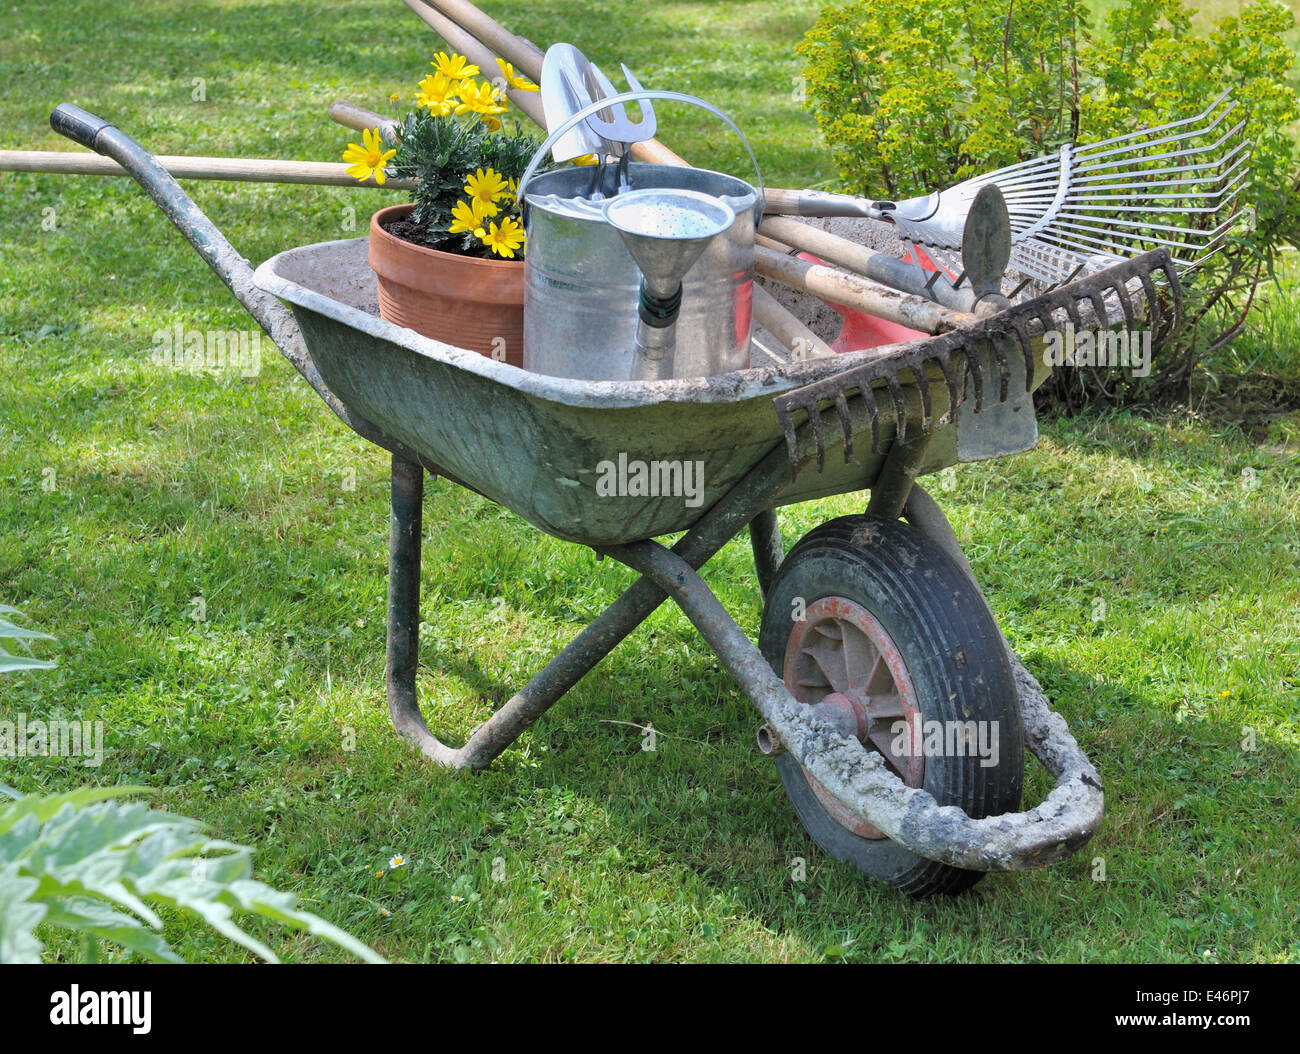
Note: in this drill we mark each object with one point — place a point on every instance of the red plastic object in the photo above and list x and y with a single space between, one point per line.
861 330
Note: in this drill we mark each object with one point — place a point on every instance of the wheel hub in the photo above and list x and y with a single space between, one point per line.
840 660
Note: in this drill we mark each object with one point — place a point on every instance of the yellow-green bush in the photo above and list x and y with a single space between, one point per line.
915 95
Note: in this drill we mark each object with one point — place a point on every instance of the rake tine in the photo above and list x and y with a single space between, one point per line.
873 412
1047 319
1212 177
846 423
1145 148
787 428
1072 309
1153 301
1047 184
1018 289
1108 249
1004 369
1176 293
1110 169
1098 301
815 419
923 390
1136 225
1094 149
949 379
975 367
900 405
1122 294
1021 328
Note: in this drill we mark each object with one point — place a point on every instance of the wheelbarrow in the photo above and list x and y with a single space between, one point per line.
874 632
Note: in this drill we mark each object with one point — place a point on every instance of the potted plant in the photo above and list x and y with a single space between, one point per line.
450 263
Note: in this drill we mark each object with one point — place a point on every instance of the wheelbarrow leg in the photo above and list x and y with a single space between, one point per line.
405 524
894 481
769 549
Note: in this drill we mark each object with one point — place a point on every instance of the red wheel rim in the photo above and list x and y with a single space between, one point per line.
840 659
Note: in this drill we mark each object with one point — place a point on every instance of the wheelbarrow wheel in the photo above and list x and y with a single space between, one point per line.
869 621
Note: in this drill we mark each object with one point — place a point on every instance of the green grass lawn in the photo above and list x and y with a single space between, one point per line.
127 491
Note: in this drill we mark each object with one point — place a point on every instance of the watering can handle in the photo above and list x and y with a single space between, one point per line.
637 96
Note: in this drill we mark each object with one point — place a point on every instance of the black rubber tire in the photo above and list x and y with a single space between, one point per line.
956 660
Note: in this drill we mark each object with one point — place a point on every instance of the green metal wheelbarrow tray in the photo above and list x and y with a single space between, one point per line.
874 631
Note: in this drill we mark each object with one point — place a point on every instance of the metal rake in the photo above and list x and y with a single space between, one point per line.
1078 210
981 351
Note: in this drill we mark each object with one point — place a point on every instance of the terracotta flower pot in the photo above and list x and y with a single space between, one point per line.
460 300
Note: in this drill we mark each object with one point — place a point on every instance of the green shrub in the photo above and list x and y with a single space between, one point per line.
915 95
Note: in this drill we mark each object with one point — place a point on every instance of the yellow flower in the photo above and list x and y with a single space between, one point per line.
514 79
438 94
487 186
482 100
586 159
469 216
504 240
454 67
511 194
368 160
394 97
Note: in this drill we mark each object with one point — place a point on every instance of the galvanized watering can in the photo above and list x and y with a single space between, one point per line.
581 285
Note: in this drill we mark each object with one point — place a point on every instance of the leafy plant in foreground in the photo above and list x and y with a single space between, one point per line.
9 662
83 862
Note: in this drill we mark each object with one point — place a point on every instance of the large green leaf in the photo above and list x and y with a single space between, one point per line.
10 662
19 917
89 916
96 866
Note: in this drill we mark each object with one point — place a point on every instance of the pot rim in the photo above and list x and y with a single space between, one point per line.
389 211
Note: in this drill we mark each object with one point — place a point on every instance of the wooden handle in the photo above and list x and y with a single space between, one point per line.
485 58
881 267
524 56
359 117
854 291
796 339
781 202
527 58
235 169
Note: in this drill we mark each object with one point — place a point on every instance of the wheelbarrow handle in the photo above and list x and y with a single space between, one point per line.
90 130
81 126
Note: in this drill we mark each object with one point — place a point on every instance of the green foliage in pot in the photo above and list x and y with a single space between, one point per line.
465 162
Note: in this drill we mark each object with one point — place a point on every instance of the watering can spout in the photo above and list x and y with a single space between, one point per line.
665 231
